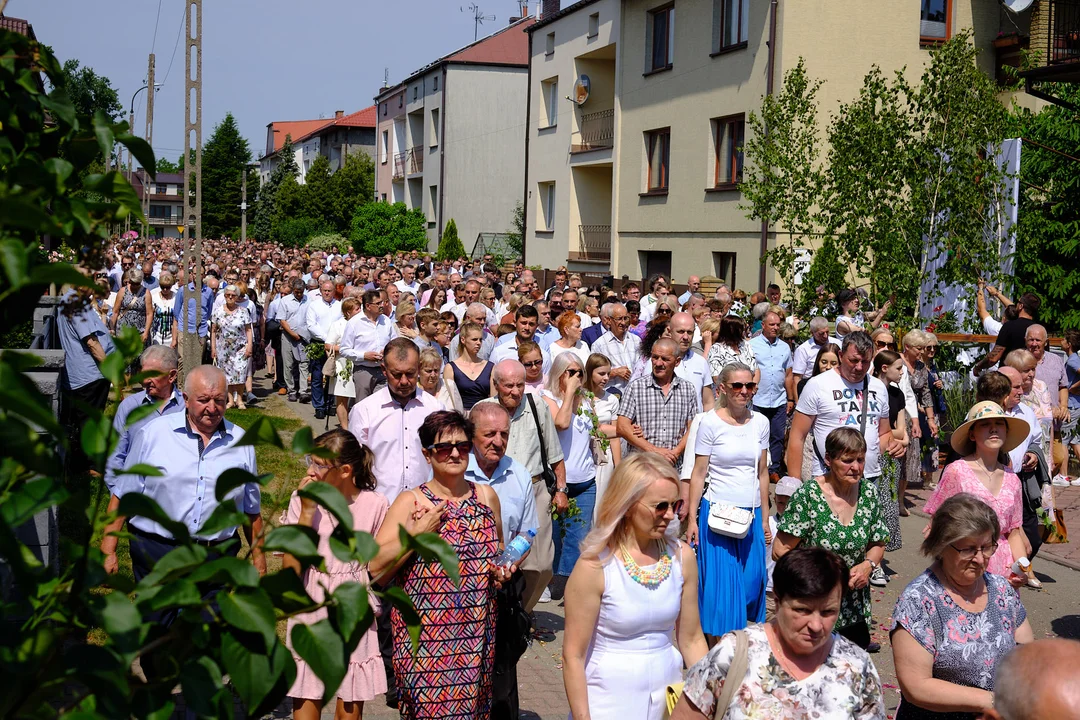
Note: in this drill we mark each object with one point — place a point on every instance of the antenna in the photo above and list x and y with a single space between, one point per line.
478 18
386 78
1017 6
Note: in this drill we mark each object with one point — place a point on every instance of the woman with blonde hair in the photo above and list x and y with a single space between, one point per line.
433 383
405 317
631 602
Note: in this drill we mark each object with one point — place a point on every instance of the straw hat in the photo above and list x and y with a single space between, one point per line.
1017 428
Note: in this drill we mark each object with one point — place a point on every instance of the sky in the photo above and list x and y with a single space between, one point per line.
263 60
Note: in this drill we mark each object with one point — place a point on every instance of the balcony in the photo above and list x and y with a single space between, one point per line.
1055 42
170 220
401 161
594 243
597 131
416 159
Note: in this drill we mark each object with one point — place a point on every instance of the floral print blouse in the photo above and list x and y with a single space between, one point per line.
845 686
809 517
966 646
721 355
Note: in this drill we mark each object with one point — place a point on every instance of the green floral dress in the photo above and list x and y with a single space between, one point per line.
809 517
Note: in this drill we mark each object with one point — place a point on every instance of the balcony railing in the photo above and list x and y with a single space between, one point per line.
158 220
594 242
416 159
400 162
597 131
1063 30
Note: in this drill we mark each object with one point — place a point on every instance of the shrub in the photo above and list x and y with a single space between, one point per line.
295 232
327 241
379 228
450 247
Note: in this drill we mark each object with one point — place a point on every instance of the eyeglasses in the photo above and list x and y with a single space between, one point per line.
313 462
442 451
882 345
661 508
573 371
534 363
751 386
969 553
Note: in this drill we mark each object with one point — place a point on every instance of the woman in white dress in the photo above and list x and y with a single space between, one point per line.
341 383
164 300
631 602
605 407
569 327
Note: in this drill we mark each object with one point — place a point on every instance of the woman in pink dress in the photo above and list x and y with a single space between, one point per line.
350 472
983 441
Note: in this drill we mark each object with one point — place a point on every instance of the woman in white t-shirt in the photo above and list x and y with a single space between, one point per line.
730 451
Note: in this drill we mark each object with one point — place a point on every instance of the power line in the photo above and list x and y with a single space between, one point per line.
175 45
157 20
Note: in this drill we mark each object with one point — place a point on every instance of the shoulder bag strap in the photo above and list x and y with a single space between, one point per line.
735 674
865 398
539 432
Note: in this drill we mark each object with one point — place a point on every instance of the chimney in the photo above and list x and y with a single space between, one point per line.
550 7
338 114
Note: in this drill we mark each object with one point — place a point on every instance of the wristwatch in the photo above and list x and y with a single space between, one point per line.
873 565
560 490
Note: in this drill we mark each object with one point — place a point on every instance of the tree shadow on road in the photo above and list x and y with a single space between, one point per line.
1067 626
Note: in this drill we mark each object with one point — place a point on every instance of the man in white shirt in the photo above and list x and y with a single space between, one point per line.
649 302
693 285
806 353
408 283
619 346
506 348
366 333
469 294
322 311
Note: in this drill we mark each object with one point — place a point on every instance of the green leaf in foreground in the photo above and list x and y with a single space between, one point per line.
249 610
321 648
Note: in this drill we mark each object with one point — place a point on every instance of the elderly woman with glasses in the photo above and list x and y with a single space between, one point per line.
457 620
231 344
955 622
915 384
730 450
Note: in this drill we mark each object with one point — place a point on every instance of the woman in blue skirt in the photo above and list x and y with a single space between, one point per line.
731 473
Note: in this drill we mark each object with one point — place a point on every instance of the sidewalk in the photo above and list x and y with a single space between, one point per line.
1067 500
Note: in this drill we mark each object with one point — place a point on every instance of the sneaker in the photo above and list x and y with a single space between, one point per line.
1076 482
320 415
250 397
877 577
1060 481
545 597
873 647
282 391
292 397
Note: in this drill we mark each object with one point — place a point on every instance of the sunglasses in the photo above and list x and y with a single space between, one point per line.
661 508
573 372
442 451
751 386
534 363
882 345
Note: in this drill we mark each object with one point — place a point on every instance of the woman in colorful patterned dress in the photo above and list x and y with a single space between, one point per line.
983 441
450 673
840 512
231 344
955 622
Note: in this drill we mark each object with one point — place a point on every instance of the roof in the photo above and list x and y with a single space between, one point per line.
176 178
17 25
548 19
295 129
368 118
508 46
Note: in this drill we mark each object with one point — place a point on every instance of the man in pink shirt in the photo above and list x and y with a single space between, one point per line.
387 422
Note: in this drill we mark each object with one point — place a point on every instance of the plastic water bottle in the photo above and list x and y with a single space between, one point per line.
516 549
1020 567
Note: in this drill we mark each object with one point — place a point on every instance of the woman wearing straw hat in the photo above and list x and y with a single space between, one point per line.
983 441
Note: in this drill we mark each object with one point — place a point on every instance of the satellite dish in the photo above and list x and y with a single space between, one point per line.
1017 6
581 90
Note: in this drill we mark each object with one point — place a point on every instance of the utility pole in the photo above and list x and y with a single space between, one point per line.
243 207
149 141
192 348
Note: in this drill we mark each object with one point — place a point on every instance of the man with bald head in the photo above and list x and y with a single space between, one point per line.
1037 681
1050 368
662 404
530 425
689 365
693 285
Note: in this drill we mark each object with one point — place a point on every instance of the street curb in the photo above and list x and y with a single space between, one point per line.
1043 554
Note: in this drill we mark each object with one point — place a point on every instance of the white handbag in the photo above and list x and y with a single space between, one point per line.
730 520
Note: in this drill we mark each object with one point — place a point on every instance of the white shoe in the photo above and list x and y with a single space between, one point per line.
1060 481
1076 482
545 597
877 577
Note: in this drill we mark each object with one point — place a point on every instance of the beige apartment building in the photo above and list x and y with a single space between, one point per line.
643 175
449 137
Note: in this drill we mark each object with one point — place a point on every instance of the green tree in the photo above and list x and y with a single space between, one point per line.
515 236
262 225
317 200
47 666
450 247
782 180
89 91
379 228
288 203
224 161
1047 260
827 270
351 186
164 165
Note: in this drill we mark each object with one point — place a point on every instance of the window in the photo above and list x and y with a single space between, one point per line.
549 46
384 197
728 148
162 212
433 199
435 83
655 262
594 24
384 147
546 216
658 154
384 109
661 40
724 267
161 189
935 20
434 127
550 89
415 91
731 24
400 100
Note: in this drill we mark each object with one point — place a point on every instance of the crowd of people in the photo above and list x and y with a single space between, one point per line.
707 494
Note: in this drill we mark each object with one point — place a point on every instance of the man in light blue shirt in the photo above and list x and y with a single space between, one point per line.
775 394
184 295
86 342
292 314
693 285
192 449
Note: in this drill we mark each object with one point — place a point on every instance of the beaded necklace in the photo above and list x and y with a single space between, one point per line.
651 578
